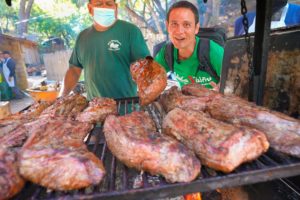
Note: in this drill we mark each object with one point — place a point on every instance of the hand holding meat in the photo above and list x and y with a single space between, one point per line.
150 78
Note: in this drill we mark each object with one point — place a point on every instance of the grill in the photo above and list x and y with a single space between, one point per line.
124 183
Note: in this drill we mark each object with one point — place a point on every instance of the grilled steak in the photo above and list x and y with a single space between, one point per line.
150 78
10 134
133 139
15 138
173 98
219 145
9 124
68 106
282 131
99 108
55 156
199 91
10 180
35 110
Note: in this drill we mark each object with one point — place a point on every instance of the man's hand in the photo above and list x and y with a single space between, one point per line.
215 87
10 78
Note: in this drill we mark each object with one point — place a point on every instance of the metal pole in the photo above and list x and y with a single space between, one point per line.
261 48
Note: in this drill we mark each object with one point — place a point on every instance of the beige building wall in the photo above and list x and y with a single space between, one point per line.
56 64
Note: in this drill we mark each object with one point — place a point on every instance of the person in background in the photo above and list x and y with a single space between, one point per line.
5 90
1 67
1 58
104 51
9 68
283 14
182 25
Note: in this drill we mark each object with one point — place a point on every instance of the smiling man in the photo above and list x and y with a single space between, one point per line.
104 51
182 25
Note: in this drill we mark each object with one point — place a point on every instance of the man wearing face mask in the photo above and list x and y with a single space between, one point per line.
104 51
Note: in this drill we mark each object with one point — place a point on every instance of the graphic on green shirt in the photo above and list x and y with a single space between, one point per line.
106 58
186 71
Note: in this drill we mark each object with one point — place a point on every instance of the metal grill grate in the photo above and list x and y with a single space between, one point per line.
124 183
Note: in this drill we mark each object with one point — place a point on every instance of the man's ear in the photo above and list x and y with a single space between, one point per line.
90 8
167 26
116 13
197 28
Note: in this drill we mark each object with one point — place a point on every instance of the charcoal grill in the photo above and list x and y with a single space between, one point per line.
124 183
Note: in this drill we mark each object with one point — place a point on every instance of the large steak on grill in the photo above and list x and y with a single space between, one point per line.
219 145
10 180
99 108
282 131
133 139
173 98
55 156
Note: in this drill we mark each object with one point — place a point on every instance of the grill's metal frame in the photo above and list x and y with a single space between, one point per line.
269 166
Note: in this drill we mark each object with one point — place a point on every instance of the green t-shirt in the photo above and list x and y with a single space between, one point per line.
106 57
187 69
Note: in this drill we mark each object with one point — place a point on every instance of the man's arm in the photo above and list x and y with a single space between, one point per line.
70 80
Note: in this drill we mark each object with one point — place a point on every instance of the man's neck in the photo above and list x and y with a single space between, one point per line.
187 52
102 28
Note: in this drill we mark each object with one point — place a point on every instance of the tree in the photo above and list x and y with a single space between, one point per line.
8 17
24 14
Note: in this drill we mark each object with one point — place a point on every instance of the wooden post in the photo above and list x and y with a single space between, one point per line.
4 109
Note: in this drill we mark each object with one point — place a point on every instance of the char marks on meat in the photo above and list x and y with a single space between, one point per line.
55 156
282 131
150 77
11 131
99 108
10 180
133 139
219 145
68 106
173 98
198 90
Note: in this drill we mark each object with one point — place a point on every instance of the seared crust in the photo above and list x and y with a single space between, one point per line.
282 131
150 78
99 108
55 156
219 145
173 98
10 180
134 140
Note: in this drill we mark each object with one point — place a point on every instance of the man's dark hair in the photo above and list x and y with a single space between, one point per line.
91 0
184 4
6 52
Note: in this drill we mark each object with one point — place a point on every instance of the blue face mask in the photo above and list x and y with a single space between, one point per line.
104 16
